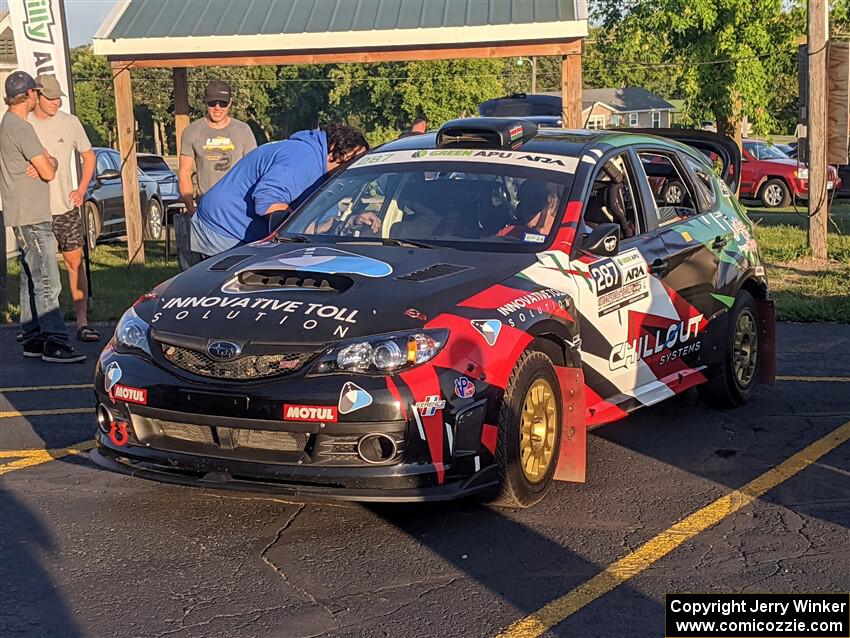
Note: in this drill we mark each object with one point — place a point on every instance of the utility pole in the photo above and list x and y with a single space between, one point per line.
818 38
534 74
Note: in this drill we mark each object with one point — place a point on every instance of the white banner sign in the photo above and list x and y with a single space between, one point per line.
39 32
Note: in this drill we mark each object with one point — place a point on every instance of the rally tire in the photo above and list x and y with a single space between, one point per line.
515 488
673 193
92 220
732 381
775 194
153 220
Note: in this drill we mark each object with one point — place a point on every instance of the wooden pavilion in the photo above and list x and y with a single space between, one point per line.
190 33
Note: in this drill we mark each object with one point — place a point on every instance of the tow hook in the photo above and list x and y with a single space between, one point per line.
118 433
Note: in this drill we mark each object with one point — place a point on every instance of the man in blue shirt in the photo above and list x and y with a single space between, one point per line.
268 180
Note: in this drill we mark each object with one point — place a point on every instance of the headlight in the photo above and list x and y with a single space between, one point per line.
382 354
132 332
802 173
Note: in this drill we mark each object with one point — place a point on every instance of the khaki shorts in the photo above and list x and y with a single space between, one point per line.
68 229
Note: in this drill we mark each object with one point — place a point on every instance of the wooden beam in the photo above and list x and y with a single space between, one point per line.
571 87
395 55
818 203
129 170
181 104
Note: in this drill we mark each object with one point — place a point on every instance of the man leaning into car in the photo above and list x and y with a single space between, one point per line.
212 145
270 179
26 208
61 134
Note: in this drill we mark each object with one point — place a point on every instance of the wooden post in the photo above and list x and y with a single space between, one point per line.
129 168
181 104
818 196
571 88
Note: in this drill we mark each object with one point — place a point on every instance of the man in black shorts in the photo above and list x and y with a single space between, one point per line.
61 134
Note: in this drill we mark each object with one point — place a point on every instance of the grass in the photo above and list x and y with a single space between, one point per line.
804 289
115 285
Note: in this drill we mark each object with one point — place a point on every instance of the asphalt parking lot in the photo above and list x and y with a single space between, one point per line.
89 553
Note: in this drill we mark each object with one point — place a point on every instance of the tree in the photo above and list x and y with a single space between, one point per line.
95 103
717 51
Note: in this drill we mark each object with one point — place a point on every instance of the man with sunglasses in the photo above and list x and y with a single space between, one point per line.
212 146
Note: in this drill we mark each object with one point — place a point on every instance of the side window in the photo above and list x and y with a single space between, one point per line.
705 184
103 163
612 199
656 119
633 119
596 122
674 200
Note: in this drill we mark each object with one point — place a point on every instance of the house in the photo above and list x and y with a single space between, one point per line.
631 106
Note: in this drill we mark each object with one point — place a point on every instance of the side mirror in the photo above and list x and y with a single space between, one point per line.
604 241
109 173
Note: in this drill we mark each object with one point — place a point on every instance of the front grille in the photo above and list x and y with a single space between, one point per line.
243 368
229 438
270 440
184 431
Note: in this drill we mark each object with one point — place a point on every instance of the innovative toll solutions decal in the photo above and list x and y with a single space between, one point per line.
620 280
353 398
488 328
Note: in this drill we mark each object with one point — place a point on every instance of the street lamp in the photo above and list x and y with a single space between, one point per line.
533 62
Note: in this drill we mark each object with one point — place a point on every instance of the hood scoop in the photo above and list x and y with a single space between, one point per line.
223 265
435 271
281 280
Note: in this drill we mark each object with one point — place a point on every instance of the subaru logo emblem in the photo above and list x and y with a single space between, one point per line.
224 350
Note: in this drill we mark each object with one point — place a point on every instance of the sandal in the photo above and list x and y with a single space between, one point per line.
84 333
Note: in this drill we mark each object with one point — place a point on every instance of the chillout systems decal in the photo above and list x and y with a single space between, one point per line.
678 340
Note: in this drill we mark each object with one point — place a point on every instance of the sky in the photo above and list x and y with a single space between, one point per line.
83 17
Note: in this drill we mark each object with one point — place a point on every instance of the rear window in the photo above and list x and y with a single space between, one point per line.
152 164
471 205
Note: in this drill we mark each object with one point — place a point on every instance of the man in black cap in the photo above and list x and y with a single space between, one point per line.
212 145
26 209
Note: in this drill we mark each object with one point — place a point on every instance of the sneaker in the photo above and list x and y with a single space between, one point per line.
34 349
61 353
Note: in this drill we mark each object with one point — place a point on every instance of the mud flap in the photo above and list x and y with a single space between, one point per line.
767 341
572 460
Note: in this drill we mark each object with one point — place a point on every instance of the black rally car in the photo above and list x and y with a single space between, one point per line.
447 316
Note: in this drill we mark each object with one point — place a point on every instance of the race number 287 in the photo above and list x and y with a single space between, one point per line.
606 274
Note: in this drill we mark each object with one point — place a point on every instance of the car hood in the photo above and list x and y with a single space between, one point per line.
785 162
317 293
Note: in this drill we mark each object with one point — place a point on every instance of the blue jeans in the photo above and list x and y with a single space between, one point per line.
41 317
186 257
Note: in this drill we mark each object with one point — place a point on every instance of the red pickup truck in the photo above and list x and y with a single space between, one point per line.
767 174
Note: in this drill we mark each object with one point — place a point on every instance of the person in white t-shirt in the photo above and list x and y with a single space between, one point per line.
61 134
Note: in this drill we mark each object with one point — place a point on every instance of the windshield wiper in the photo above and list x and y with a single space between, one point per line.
300 239
386 241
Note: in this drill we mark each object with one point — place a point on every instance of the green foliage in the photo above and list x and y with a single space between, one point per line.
93 95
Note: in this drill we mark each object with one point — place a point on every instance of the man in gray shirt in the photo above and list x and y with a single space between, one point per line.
26 209
212 145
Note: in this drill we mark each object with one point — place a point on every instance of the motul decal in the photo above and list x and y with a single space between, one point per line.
310 413
130 395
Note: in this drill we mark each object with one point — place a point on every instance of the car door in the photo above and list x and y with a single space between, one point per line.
108 191
625 312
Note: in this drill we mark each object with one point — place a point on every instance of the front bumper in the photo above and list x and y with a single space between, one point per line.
202 432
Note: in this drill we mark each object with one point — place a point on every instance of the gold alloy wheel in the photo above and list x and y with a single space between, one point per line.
538 429
745 349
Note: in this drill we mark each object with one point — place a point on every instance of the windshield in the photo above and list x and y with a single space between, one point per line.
467 204
763 151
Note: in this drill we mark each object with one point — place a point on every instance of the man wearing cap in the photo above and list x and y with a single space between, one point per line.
213 145
61 134
26 209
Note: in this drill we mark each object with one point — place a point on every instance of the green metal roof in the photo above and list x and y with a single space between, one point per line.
199 18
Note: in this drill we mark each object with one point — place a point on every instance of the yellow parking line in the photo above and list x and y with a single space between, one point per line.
14 413
41 388
654 550
816 379
30 458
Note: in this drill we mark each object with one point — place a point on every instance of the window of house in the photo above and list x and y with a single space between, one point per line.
656 119
615 120
596 122
672 194
633 119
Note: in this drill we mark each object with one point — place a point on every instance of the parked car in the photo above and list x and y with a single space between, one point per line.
103 209
770 176
522 105
155 166
446 316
